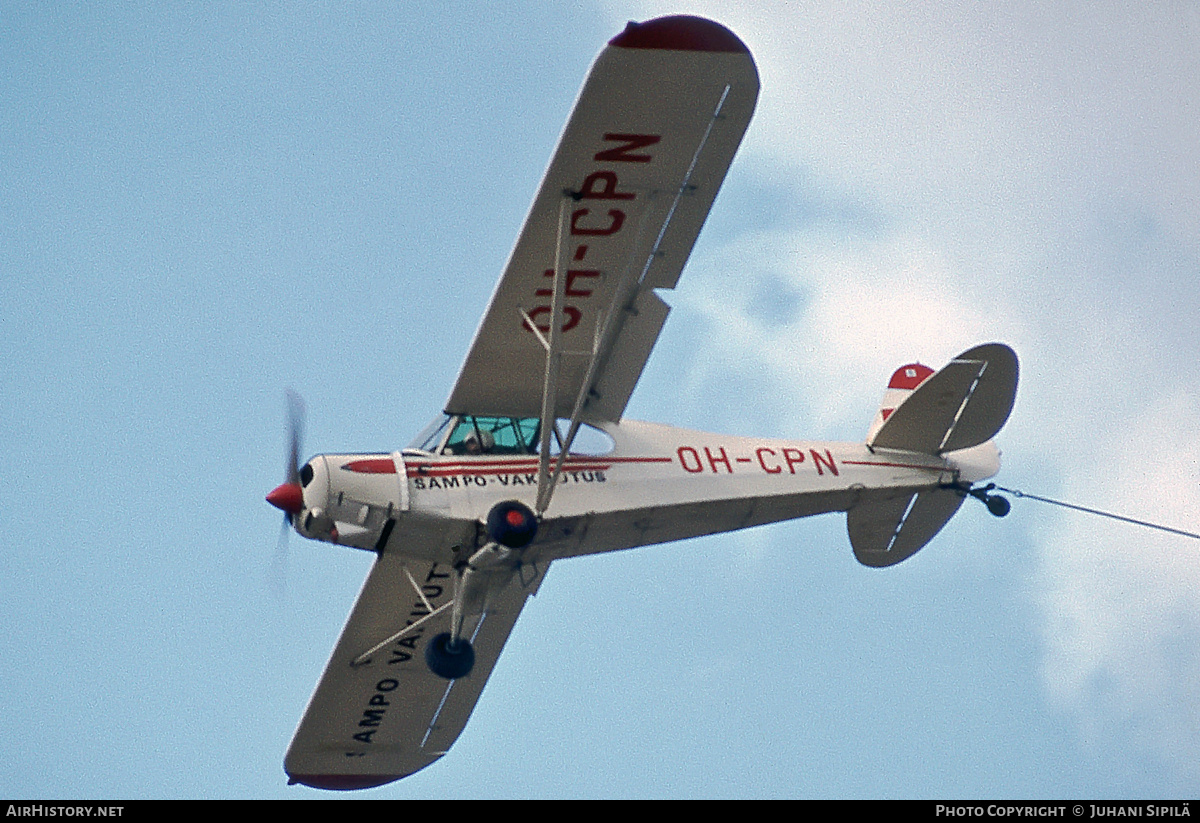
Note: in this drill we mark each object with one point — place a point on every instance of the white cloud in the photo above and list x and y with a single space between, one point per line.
1037 172
1122 603
868 307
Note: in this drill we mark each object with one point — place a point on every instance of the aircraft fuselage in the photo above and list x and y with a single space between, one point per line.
657 484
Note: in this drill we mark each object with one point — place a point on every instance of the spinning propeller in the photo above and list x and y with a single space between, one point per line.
288 496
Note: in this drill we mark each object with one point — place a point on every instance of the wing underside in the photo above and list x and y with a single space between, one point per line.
628 189
374 721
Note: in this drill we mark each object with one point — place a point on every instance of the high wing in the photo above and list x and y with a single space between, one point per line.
633 178
373 721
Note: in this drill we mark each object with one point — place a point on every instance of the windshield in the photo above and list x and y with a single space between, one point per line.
429 437
478 434
493 435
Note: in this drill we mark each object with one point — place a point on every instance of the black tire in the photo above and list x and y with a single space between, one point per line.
512 524
450 662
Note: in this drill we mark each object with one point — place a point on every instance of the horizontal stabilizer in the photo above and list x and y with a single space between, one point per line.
961 406
884 531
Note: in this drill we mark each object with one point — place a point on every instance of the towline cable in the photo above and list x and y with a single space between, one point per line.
1017 493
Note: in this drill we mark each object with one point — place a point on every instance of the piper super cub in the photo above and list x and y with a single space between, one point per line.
466 521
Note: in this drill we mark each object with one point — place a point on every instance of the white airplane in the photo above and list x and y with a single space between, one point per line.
533 462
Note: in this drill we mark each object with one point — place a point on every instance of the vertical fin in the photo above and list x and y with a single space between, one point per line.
904 382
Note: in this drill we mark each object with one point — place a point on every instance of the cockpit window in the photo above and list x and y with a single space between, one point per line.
493 435
477 434
431 435
589 440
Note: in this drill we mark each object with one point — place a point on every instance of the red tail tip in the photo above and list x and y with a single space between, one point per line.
910 376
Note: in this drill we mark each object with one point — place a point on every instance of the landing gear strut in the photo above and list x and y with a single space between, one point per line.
510 527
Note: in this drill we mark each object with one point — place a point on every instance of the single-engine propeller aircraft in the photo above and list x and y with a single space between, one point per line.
466 521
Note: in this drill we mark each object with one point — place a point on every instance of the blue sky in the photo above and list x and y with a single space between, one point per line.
200 207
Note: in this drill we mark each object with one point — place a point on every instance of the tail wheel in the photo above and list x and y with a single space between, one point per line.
997 505
447 659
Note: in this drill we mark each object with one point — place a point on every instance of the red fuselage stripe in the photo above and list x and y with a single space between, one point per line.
521 465
890 465
474 467
380 465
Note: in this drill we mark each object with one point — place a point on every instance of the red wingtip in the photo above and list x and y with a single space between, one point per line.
288 497
679 33
343 782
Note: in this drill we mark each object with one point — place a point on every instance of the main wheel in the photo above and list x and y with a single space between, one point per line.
512 524
447 660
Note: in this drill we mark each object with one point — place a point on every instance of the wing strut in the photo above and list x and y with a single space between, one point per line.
630 286
365 657
554 353
411 627
553 356
608 330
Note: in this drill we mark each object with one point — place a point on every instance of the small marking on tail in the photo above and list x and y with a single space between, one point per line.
910 376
